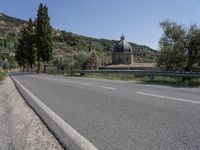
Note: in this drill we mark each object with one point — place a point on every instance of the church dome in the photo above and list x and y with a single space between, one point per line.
122 46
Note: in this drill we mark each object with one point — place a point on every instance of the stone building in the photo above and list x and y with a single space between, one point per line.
122 52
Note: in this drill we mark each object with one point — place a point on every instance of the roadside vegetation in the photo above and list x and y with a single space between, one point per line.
179 48
2 74
157 80
37 45
65 46
35 41
148 80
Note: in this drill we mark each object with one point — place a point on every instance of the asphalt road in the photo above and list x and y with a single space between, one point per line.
117 115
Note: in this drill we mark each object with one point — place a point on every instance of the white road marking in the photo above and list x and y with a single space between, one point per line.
107 87
80 83
169 98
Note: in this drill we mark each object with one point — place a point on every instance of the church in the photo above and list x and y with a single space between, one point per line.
123 58
122 52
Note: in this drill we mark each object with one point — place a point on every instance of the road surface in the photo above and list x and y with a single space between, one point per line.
117 115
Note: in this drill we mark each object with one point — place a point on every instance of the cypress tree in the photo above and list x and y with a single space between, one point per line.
30 44
43 36
25 49
5 42
21 49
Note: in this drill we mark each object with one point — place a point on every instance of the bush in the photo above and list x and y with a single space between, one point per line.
2 74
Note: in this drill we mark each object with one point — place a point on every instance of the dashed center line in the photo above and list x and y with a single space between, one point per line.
80 83
107 87
169 98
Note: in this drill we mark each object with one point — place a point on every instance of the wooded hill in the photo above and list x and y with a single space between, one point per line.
66 43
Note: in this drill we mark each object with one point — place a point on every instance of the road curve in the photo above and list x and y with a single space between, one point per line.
117 115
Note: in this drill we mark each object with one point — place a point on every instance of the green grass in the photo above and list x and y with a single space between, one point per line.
115 77
177 82
169 81
147 80
2 74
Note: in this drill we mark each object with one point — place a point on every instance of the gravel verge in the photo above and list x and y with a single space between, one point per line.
20 127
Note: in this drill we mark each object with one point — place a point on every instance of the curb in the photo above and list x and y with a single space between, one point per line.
66 135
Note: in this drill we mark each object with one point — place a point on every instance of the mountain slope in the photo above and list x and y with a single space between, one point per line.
66 43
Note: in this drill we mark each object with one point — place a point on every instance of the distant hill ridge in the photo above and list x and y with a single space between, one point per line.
66 43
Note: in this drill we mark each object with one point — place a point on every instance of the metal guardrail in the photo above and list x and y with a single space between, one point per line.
150 73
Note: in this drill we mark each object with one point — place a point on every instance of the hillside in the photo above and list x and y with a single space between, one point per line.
9 29
66 43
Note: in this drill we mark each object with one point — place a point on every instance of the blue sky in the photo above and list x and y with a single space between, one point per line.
137 19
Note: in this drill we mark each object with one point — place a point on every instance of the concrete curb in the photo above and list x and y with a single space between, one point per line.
66 135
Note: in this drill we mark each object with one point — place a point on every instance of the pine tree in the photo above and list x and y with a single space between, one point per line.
43 36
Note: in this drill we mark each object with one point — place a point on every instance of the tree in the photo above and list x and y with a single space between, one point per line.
5 43
1 42
43 36
25 49
193 48
30 44
20 54
92 63
61 63
81 60
179 48
173 52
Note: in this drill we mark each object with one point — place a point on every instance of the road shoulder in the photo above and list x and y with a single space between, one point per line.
20 127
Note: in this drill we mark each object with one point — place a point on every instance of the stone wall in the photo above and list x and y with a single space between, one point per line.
122 58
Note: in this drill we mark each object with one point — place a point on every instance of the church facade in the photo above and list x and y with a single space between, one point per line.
122 52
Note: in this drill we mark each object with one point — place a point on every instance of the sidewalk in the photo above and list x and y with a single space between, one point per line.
20 127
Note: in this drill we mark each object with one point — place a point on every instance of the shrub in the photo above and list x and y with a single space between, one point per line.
2 74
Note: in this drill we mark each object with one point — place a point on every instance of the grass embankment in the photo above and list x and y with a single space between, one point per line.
2 74
177 82
170 81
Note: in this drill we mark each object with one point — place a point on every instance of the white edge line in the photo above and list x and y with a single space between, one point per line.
169 98
107 87
81 141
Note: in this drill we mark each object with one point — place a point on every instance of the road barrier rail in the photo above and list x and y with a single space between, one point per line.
150 73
